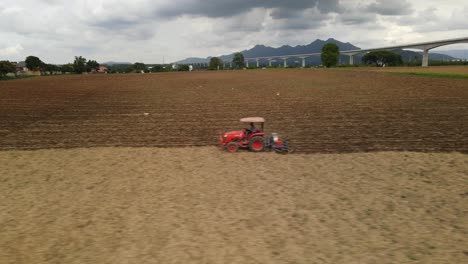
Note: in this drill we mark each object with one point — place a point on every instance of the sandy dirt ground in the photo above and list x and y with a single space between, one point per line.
202 205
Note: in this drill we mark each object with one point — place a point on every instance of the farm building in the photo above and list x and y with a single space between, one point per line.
21 67
102 69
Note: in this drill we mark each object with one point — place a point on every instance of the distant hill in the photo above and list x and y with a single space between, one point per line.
458 54
263 51
193 60
313 47
111 63
408 55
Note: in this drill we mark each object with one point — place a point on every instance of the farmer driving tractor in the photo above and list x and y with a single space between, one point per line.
252 129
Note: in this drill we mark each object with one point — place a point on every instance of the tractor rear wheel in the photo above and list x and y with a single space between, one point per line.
257 144
232 147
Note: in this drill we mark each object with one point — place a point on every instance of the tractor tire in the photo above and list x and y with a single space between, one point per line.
232 147
257 144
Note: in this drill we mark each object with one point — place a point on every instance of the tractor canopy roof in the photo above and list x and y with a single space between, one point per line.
252 120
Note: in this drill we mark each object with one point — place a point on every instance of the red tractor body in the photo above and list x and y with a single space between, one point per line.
253 138
248 138
241 139
233 136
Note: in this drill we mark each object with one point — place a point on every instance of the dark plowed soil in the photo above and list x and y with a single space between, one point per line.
320 110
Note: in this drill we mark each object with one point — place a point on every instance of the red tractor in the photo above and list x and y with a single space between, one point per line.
253 138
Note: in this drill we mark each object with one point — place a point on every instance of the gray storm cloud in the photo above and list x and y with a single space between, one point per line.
226 8
390 8
150 30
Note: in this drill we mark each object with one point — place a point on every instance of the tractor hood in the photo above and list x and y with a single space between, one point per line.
234 135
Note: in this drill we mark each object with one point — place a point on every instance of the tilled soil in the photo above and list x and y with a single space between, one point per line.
321 111
201 205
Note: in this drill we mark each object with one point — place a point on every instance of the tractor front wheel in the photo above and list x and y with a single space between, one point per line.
232 147
257 144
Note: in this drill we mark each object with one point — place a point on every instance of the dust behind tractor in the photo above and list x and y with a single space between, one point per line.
253 139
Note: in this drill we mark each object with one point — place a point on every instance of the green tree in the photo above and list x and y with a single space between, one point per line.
238 60
183 67
382 57
139 66
50 67
330 54
120 68
67 68
33 63
215 63
92 65
79 65
6 67
157 68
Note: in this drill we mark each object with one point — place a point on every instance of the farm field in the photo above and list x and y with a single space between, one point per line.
200 205
124 168
321 111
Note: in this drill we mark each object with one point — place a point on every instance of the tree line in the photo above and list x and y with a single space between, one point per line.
139 67
34 63
329 56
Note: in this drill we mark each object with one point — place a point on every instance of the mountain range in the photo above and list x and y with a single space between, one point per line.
459 54
111 63
313 47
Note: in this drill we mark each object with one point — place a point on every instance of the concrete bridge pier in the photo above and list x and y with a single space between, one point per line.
425 58
285 63
269 61
303 62
351 57
258 63
247 63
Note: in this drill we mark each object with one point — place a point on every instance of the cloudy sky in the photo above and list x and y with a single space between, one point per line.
152 30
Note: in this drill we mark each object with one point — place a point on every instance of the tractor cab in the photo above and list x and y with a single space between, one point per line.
255 126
